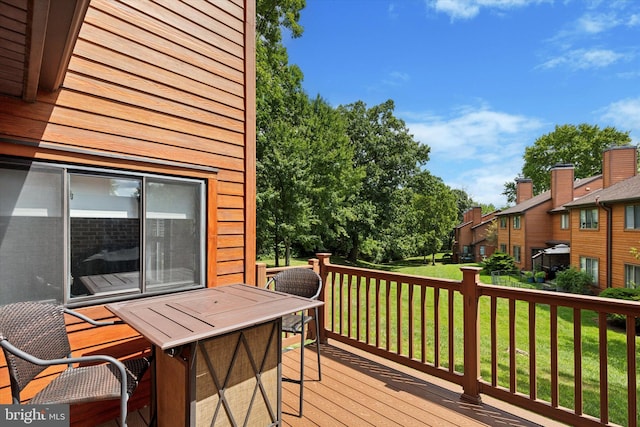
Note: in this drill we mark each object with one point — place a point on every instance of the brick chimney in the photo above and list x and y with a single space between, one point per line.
562 184
524 189
476 217
618 164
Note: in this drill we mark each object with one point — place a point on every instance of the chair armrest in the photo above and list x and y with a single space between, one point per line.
269 282
90 320
6 345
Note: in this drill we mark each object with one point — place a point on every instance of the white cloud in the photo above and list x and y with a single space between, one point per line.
467 9
476 148
582 59
597 23
625 116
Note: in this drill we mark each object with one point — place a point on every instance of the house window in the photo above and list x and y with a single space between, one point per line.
632 276
564 221
89 235
503 248
589 219
590 266
632 217
516 253
516 222
482 250
503 222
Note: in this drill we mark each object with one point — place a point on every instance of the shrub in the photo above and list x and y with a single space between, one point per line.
624 294
499 261
574 281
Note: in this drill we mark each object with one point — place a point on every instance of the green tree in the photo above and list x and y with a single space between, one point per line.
280 103
581 146
464 202
389 156
436 212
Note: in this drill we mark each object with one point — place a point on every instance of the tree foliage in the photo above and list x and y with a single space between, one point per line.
581 146
389 156
346 179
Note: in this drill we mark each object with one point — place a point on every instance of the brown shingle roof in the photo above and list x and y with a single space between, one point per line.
527 204
626 190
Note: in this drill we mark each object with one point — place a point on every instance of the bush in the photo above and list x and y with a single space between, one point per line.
499 261
624 294
574 281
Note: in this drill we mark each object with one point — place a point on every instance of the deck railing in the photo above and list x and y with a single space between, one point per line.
508 343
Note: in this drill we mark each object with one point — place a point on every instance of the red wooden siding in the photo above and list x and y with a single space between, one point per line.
165 87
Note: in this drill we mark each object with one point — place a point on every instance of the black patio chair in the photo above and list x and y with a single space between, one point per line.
33 337
305 283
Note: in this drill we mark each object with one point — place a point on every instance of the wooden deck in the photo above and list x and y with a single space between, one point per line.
358 389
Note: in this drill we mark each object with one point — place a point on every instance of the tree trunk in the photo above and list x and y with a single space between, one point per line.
287 253
355 248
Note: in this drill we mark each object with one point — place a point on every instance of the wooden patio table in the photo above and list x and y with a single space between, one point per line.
217 353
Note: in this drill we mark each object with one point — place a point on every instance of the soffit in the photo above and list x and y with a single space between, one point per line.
36 42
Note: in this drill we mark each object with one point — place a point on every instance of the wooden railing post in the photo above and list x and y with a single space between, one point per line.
324 259
471 327
261 274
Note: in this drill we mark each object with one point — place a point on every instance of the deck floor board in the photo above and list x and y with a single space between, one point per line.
358 389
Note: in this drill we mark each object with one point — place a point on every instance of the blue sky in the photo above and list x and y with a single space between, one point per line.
477 80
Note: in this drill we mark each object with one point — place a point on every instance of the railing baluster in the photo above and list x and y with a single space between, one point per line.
513 373
451 332
377 313
632 388
410 325
577 359
436 327
387 315
423 323
399 292
604 379
494 341
341 314
553 320
533 385
350 305
358 302
368 311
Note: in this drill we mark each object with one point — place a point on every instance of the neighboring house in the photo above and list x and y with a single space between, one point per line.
539 222
587 223
127 153
470 239
605 224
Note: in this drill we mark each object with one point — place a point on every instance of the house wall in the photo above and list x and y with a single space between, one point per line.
538 229
622 243
590 243
558 234
158 87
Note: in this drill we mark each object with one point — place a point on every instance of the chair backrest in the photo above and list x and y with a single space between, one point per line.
36 328
302 282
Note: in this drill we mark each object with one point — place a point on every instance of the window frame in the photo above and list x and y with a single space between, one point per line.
517 253
200 201
503 222
517 220
589 222
634 217
587 265
565 221
631 270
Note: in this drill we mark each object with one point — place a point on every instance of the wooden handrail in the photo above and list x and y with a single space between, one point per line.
410 319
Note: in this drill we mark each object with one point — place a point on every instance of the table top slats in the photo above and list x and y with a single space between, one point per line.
176 319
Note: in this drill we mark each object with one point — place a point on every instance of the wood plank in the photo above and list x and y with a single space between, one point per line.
148 91
153 73
86 139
